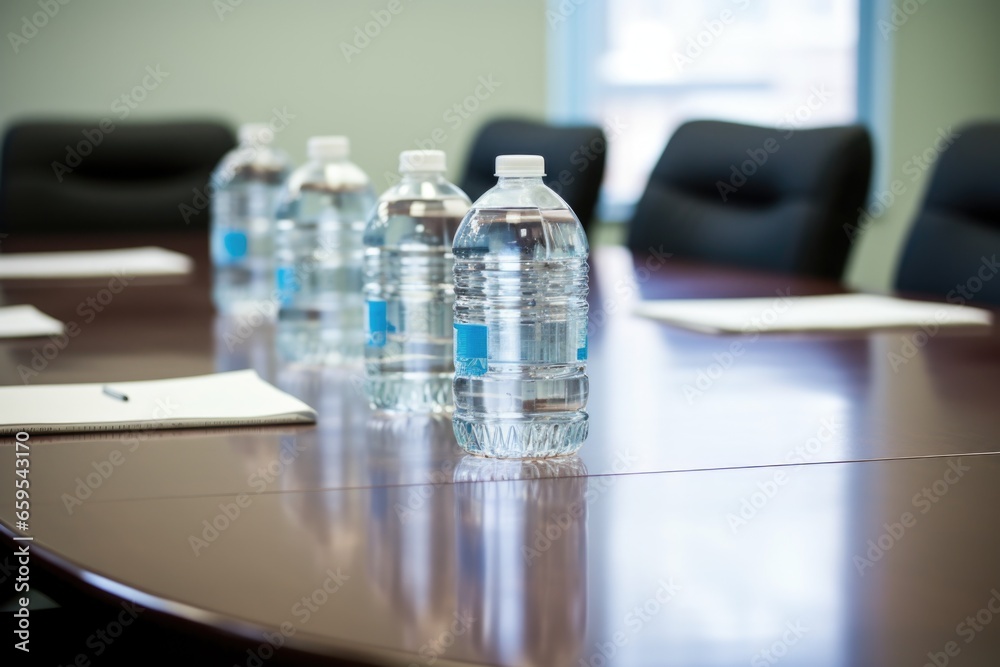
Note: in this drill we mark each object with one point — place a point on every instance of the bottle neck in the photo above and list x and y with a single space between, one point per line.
519 181
323 159
412 176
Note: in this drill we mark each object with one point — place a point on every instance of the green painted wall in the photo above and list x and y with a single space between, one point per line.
945 64
241 64
396 90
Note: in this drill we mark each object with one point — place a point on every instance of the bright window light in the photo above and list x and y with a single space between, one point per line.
643 67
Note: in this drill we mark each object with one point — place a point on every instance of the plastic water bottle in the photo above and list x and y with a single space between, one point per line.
246 185
319 256
409 361
520 319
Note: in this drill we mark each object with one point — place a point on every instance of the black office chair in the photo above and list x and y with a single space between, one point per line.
954 244
574 159
79 176
756 197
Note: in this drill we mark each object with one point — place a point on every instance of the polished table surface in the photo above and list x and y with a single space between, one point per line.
822 499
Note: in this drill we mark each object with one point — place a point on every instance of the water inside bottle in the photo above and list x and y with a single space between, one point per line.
521 334
409 356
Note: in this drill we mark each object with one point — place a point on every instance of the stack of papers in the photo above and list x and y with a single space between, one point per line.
239 398
148 261
24 321
835 312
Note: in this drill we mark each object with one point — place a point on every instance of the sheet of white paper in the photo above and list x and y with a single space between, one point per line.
834 312
24 321
224 399
147 261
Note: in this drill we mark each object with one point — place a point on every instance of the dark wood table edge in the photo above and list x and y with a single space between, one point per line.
68 575
62 575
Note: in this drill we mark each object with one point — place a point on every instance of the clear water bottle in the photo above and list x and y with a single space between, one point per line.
319 256
520 319
409 361
246 185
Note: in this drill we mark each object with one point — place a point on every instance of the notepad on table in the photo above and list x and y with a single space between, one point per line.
24 321
146 261
834 312
238 398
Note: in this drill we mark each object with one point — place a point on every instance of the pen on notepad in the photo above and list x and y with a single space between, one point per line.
114 394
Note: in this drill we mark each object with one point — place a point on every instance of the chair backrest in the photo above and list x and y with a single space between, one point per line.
954 244
106 176
758 197
574 159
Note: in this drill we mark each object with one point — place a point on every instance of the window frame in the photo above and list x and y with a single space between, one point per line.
574 41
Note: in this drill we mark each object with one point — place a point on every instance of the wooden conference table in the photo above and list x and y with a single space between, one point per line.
811 500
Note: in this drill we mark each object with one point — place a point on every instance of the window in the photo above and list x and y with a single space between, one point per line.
643 67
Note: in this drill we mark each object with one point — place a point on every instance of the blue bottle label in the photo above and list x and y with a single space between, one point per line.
377 325
287 283
235 244
581 343
470 349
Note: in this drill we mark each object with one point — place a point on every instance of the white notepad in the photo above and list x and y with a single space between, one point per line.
147 261
834 312
24 321
238 398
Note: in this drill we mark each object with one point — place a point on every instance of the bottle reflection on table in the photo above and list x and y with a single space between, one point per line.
411 540
332 456
245 340
522 545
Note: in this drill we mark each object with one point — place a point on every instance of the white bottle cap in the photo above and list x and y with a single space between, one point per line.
255 133
520 165
328 148
411 161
